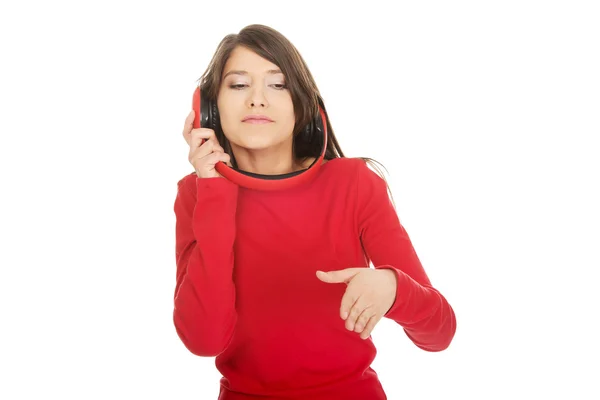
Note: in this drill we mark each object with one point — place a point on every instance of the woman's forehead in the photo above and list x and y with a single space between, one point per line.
243 61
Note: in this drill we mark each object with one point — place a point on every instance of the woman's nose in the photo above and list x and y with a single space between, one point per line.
257 98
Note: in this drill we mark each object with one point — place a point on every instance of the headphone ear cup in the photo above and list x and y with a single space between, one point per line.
318 126
215 120
209 114
308 131
205 111
310 137
319 132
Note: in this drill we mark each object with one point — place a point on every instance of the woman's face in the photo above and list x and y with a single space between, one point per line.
254 88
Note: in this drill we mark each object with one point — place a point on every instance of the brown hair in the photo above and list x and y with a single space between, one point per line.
271 45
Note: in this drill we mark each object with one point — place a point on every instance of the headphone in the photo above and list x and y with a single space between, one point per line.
207 116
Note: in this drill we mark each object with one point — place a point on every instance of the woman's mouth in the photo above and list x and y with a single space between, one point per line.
257 119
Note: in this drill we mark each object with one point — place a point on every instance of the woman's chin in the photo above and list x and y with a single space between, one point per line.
256 142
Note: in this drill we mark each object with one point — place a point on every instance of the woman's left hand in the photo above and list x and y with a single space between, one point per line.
369 296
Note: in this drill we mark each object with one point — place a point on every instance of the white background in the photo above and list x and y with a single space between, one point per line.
485 114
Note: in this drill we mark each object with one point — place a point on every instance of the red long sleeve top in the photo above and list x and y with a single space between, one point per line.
247 291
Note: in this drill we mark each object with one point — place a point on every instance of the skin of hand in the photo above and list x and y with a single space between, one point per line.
369 295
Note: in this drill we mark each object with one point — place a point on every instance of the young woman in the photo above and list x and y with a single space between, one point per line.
276 283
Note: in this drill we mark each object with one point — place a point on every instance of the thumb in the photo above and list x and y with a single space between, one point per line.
340 276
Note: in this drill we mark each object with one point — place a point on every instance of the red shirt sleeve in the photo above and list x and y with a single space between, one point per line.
426 316
204 303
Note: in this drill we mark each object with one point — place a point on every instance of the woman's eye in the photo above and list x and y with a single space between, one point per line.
239 86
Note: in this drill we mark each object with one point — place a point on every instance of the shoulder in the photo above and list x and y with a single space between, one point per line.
364 176
353 167
354 175
346 164
341 171
187 184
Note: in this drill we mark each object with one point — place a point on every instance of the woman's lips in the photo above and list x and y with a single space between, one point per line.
257 121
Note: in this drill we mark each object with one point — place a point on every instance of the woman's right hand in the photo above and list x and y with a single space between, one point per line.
203 155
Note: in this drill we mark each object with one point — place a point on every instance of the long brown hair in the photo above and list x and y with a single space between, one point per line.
271 45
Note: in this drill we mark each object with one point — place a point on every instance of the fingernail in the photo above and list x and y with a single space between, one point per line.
344 315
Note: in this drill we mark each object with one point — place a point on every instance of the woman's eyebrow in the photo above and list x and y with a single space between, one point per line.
242 72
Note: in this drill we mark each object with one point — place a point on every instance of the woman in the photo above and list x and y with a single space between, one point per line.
277 284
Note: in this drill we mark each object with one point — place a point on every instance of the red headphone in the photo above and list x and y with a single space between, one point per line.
207 116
